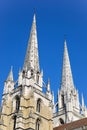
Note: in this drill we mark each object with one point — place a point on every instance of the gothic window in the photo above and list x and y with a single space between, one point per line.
38 105
62 98
17 103
23 73
37 78
38 124
14 118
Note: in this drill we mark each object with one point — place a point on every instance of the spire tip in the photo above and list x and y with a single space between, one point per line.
34 18
10 76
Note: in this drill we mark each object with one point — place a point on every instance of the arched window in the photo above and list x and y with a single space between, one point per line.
38 124
17 103
38 105
14 118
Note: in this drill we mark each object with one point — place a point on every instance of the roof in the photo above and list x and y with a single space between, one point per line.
73 125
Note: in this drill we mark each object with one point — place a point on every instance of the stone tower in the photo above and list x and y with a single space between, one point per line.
24 105
69 108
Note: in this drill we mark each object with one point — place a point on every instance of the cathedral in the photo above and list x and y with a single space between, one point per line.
25 106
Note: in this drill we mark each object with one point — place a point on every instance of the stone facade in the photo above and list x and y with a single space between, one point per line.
24 104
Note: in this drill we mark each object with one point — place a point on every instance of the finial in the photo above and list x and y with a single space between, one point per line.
48 85
34 18
42 72
65 43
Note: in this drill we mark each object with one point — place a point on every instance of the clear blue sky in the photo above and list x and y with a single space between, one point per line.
55 18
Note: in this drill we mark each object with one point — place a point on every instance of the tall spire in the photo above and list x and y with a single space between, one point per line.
32 57
67 79
10 76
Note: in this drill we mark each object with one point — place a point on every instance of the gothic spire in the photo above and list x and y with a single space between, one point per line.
32 57
67 79
83 104
10 76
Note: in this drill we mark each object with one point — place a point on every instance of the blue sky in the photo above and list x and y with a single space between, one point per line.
55 19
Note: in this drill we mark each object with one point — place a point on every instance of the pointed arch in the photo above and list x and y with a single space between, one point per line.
38 123
38 107
17 103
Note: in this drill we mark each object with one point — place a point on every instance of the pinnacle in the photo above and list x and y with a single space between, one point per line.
10 76
48 85
83 101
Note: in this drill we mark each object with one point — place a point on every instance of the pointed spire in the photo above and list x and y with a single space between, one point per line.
53 102
67 79
10 76
83 104
42 72
32 57
48 86
34 19
53 97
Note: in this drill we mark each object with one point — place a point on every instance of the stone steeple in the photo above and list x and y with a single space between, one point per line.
32 58
68 97
10 76
67 79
